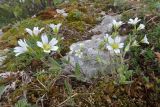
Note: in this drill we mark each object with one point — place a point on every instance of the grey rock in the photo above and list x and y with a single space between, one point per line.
94 59
106 24
1 1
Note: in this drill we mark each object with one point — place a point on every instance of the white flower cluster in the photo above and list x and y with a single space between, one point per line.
113 43
134 22
44 44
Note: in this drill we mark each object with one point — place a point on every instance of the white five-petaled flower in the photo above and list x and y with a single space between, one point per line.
22 48
62 12
55 27
36 31
114 45
145 40
141 26
79 53
117 24
134 21
46 45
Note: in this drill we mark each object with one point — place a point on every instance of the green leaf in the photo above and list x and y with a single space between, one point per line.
22 103
2 87
68 88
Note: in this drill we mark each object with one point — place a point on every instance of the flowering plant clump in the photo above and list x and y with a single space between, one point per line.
37 45
118 49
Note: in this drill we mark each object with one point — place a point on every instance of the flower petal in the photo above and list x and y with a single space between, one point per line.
117 51
54 48
110 40
121 45
52 26
47 51
53 42
36 31
117 39
41 29
18 49
22 43
59 25
39 44
29 31
44 38
109 47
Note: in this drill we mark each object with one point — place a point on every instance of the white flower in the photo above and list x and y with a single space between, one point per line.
78 53
55 27
46 45
117 24
62 12
145 40
114 45
33 16
22 48
134 21
36 31
141 26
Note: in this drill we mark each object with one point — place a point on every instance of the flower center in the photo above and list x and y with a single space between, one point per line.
115 46
46 47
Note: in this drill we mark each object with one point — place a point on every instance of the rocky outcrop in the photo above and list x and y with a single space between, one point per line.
93 59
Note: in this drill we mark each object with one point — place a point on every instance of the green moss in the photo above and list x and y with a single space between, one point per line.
75 15
78 25
18 30
55 21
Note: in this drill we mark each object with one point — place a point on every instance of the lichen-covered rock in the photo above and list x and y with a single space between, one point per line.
106 24
88 53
